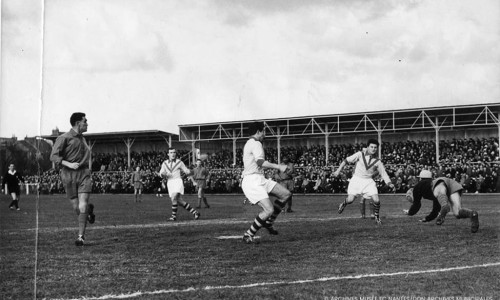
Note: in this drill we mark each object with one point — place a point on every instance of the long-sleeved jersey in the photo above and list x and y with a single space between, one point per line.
367 166
12 181
200 173
172 169
71 147
424 189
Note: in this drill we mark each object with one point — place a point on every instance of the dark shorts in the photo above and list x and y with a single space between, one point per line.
138 185
76 182
451 186
201 183
14 189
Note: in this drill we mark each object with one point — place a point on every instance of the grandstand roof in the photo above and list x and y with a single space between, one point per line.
447 117
120 137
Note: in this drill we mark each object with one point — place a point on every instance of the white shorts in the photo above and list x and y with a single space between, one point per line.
256 187
175 186
362 186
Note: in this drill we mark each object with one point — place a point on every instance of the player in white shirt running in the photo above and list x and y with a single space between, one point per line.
362 183
171 169
257 187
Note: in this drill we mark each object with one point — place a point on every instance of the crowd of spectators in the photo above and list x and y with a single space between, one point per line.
472 162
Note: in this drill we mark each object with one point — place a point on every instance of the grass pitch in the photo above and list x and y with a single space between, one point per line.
133 252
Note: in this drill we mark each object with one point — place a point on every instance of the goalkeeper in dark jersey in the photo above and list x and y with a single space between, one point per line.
446 195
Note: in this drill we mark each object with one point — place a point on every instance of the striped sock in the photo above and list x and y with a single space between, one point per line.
190 209
445 209
376 209
443 200
258 223
278 208
174 211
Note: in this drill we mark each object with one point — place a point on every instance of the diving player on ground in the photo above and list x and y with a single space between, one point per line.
446 194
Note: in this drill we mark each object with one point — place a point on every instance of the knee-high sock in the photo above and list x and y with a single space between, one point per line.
82 222
278 207
372 207
443 200
189 208
174 210
445 209
376 208
464 213
289 202
257 224
445 206
205 201
362 207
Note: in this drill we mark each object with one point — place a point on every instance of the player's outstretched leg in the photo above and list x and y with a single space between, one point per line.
465 213
188 207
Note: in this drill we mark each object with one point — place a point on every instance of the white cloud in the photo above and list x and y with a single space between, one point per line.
155 64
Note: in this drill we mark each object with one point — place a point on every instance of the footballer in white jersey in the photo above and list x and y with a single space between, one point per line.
362 183
257 188
171 169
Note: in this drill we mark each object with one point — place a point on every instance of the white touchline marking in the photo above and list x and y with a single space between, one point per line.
260 284
233 237
183 223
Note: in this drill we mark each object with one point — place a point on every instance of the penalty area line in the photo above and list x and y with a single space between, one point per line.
294 282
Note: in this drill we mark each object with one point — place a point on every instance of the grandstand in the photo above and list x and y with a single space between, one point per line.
435 123
456 141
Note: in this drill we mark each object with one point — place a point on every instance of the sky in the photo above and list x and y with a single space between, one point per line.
157 64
